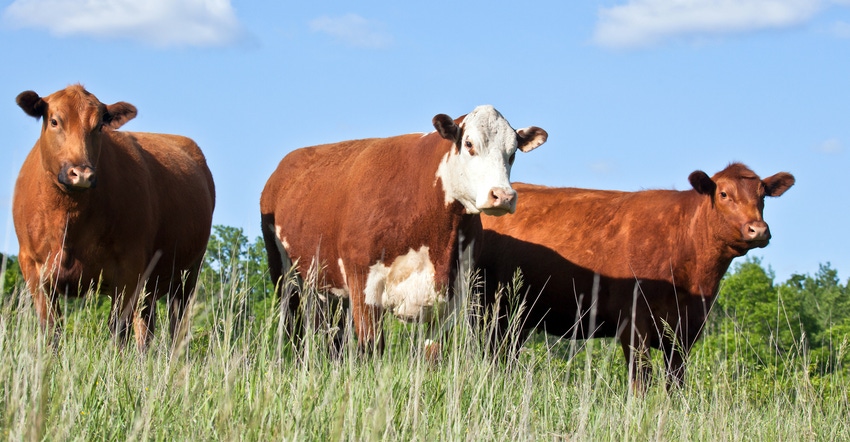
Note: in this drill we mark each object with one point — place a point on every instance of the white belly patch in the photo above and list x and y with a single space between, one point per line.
406 287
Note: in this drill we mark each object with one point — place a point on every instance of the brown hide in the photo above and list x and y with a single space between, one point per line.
364 201
149 202
659 256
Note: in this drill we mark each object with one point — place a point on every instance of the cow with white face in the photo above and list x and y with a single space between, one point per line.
386 221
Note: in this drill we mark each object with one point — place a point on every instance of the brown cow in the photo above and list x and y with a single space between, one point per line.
386 220
598 263
95 207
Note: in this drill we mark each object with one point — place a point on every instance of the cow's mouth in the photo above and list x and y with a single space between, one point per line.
495 211
757 243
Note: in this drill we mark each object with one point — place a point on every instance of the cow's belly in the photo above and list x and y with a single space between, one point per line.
406 287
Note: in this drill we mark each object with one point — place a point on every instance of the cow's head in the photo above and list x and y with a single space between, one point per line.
737 201
476 172
71 131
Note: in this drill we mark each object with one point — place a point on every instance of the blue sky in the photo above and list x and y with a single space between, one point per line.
635 94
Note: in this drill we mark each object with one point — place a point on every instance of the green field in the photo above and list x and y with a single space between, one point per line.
237 377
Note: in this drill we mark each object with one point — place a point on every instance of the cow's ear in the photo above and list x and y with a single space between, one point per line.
31 103
530 138
446 127
777 184
119 113
702 183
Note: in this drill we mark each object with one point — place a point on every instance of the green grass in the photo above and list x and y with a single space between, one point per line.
237 378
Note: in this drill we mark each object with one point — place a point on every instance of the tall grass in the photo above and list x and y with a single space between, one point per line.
238 377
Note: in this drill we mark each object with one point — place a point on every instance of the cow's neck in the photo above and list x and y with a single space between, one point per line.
710 255
457 232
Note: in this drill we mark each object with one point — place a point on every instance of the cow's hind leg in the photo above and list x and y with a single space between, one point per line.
179 298
286 281
367 320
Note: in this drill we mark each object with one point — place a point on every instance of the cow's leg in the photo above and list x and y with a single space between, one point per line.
636 352
366 318
179 299
144 321
44 300
287 283
120 317
333 319
676 360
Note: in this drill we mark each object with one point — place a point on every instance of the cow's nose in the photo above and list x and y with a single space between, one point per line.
756 231
78 177
502 199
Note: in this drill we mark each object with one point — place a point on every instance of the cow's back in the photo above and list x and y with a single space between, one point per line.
578 248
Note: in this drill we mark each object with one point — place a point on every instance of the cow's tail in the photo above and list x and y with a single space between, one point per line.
273 251
286 281
283 274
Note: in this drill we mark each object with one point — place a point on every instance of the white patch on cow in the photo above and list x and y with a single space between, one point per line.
469 177
278 233
342 292
406 287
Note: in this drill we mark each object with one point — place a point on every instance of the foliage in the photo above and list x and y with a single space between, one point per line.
11 274
807 313
232 260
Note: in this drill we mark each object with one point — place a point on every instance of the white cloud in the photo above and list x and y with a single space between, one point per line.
157 22
830 146
353 30
645 22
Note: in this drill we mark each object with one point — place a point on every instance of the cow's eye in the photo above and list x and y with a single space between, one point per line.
469 147
512 158
723 195
53 122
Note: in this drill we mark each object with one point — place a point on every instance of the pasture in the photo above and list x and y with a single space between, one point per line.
237 377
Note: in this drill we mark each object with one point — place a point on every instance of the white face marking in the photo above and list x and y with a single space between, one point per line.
483 163
406 287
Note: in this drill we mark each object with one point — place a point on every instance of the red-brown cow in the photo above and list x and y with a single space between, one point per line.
598 263
126 212
386 220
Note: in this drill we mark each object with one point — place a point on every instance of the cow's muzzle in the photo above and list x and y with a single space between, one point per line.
756 232
77 177
500 201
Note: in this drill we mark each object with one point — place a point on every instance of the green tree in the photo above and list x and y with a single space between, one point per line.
824 312
805 315
234 276
12 276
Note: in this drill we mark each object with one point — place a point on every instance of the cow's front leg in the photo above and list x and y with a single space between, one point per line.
44 298
636 352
